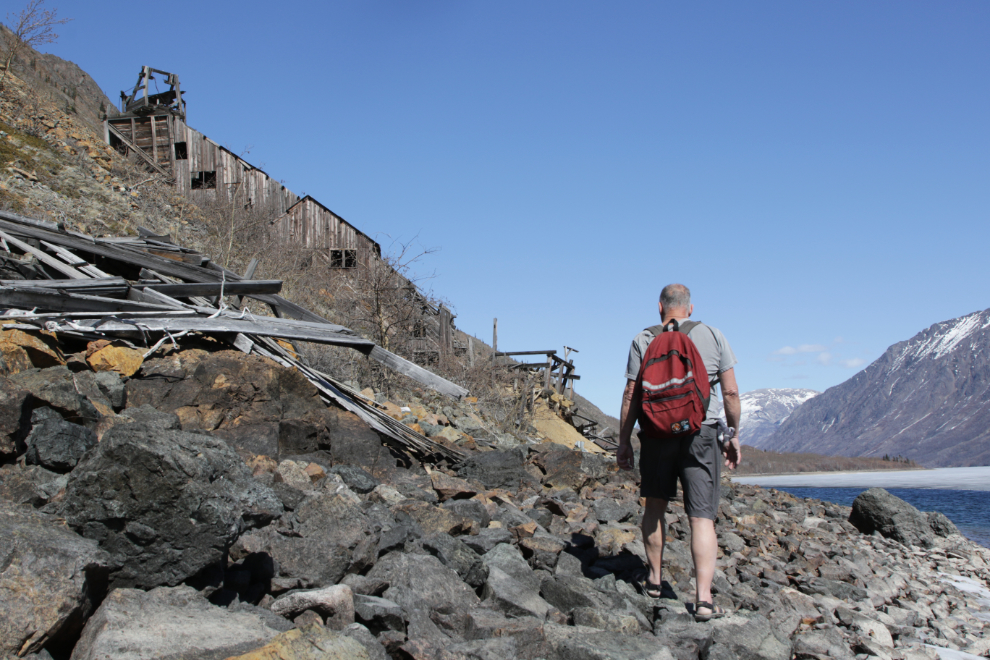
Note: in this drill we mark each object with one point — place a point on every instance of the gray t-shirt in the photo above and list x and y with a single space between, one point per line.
715 352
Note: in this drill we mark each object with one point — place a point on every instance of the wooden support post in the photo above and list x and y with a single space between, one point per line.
495 337
546 373
154 138
471 352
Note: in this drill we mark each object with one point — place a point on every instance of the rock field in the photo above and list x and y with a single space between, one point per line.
210 506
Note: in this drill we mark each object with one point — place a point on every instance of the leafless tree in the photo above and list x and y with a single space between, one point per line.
32 27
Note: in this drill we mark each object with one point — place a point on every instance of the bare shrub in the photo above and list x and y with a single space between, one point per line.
34 26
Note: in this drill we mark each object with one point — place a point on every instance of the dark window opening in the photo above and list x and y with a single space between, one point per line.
204 180
419 329
343 258
181 153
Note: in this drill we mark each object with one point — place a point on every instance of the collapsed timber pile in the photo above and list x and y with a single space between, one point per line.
171 292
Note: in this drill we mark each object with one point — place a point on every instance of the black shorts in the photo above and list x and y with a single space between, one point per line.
696 460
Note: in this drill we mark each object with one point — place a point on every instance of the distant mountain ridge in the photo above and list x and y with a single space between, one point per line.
763 411
927 398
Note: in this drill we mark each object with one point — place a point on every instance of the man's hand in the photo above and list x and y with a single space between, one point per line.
630 410
732 453
624 456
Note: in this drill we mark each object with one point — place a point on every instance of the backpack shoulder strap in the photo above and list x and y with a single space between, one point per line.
655 329
688 326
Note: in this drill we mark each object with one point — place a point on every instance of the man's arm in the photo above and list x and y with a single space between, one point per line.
733 410
624 455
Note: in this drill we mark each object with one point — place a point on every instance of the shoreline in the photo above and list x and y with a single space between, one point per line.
800 474
958 478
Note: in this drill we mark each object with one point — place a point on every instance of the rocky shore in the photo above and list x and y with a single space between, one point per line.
210 505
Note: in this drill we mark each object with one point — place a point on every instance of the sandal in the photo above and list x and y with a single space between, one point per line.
716 611
662 590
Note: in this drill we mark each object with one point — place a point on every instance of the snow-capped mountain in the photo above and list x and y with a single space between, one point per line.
764 410
927 398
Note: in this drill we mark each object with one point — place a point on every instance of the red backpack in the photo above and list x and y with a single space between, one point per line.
672 385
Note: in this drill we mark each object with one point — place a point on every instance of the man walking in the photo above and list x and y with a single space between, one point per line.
695 459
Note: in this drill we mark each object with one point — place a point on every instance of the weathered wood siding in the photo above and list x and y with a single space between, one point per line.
158 136
310 224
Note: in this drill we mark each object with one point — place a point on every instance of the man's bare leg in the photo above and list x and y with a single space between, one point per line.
704 550
655 535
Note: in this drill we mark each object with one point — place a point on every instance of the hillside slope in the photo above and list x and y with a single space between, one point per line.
927 399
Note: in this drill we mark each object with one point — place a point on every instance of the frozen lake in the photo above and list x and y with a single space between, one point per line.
964 478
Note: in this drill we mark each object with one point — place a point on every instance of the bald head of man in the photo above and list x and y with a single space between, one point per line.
675 302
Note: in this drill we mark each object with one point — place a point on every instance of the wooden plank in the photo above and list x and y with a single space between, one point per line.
417 372
110 284
45 258
27 298
243 287
499 353
226 325
138 150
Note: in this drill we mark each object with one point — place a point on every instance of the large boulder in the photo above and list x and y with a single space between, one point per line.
51 580
164 504
258 407
497 469
566 468
76 396
511 586
422 582
172 622
746 638
330 537
876 510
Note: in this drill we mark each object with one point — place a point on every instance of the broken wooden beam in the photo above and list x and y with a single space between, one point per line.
241 288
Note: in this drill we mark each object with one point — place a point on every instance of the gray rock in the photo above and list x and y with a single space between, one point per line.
566 593
746 638
50 581
940 524
567 564
731 542
378 614
472 509
512 587
54 443
330 537
56 387
16 404
605 620
456 555
112 387
497 469
31 484
164 504
581 643
356 479
151 417
421 581
609 510
876 510
335 604
487 539
363 636
168 622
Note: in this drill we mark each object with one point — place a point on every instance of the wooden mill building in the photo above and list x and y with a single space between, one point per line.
152 127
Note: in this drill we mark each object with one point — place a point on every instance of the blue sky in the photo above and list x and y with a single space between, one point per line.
816 172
